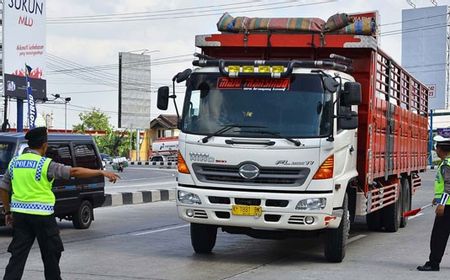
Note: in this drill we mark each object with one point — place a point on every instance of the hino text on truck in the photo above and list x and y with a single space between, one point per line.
291 127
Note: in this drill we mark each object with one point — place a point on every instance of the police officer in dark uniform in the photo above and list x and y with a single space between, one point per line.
441 227
29 178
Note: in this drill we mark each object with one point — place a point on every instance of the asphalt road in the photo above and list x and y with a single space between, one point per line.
138 178
149 241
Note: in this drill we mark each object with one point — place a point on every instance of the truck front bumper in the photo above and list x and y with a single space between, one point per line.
278 210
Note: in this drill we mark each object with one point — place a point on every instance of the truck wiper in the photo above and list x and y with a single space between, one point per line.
296 142
227 127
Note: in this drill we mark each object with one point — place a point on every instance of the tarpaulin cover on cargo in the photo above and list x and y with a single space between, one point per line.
338 23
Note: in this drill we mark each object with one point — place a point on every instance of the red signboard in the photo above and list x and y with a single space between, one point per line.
253 83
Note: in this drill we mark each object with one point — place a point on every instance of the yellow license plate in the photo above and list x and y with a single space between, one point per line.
246 210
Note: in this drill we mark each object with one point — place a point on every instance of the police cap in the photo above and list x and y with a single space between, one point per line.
442 141
36 137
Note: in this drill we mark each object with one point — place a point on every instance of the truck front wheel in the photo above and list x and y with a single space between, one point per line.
336 239
203 238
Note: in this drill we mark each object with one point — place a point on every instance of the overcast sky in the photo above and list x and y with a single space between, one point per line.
98 44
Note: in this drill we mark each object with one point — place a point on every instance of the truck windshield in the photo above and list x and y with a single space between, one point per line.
297 106
6 153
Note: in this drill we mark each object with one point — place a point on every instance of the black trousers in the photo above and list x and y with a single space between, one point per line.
25 229
439 236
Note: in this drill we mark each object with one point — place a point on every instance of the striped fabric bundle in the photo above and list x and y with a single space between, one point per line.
242 24
360 26
338 23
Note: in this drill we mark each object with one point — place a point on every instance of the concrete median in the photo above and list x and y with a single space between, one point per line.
137 197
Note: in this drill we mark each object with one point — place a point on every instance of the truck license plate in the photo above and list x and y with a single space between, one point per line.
246 210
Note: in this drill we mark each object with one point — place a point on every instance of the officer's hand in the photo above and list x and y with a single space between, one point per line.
440 210
434 201
8 219
112 177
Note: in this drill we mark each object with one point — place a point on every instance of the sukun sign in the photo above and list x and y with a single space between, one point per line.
32 7
24 42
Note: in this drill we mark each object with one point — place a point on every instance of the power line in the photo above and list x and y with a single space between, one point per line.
249 8
157 12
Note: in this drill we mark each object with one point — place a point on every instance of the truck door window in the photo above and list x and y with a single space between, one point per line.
194 105
85 156
60 153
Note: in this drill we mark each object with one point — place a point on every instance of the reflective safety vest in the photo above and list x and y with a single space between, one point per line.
439 188
31 189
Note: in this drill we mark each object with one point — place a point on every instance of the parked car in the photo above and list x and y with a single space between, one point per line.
106 159
163 158
75 198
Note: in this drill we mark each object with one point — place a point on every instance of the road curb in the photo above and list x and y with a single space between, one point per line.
156 163
138 197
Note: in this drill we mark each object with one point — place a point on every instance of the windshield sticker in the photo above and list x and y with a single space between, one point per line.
253 84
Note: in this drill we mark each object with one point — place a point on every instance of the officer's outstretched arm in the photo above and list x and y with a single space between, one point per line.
81 172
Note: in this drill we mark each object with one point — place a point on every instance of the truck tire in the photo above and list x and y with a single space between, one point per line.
336 239
392 215
373 221
84 216
406 200
203 238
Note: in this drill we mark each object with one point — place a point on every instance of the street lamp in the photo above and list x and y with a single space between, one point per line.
65 100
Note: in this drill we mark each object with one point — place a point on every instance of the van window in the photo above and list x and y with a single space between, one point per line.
85 156
60 153
6 153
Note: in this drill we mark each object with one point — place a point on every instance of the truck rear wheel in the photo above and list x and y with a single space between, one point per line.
392 214
83 217
373 221
203 238
406 201
336 239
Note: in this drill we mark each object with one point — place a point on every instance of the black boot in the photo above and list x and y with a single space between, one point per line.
428 266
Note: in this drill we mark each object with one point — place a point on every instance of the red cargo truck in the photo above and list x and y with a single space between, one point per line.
288 134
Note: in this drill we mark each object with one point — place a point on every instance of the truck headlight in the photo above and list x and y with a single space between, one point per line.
311 204
188 198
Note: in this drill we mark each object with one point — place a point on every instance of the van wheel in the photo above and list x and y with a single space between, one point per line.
82 219
203 238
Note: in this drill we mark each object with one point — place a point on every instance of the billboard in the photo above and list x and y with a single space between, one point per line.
424 50
134 90
24 42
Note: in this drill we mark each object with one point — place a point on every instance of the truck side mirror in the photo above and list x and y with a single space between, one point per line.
348 120
163 98
182 76
351 94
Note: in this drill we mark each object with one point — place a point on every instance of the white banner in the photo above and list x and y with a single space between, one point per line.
24 39
134 94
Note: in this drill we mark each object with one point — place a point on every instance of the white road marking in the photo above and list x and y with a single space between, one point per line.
415 216
153 169
141 185
355 238
159 230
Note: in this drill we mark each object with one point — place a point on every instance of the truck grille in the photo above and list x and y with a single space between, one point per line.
214 173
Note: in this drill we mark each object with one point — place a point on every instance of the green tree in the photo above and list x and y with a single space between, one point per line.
114 143
93 120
